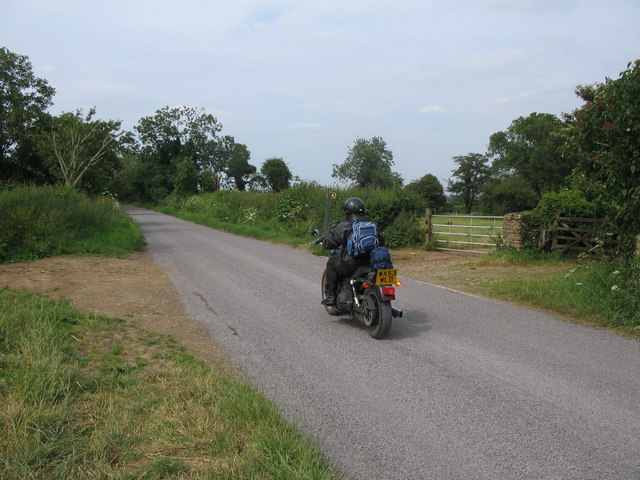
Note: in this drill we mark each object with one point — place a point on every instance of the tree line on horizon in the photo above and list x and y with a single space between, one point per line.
178 150
593 151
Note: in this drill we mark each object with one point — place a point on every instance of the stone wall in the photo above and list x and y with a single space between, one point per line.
512 230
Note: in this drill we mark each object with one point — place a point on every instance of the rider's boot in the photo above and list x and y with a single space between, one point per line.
330 295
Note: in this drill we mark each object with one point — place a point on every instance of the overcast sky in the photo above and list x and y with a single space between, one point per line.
302 80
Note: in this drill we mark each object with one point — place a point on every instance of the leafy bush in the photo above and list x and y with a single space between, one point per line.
405 231
567 203
604 135
383 206
303 202
193 204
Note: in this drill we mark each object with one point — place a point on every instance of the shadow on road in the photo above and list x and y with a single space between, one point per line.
412 324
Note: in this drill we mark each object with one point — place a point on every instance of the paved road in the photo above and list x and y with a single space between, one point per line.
464 387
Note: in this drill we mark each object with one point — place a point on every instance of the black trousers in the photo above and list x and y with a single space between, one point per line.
337 267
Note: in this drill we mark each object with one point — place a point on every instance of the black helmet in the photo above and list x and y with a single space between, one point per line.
353 206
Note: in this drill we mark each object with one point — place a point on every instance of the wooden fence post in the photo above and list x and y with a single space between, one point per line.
327 207
429 213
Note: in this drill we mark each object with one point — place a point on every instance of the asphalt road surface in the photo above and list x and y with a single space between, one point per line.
463 388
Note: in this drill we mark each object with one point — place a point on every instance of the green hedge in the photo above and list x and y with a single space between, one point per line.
567 203
294 212
37 222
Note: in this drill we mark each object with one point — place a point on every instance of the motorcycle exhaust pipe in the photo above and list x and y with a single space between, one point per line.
355 294
396 312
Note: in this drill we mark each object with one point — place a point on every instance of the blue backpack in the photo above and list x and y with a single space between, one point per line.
363 238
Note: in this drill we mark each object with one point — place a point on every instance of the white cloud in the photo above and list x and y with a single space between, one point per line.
494 60
432 109
525 95
304 126
422 77
340 106
529 4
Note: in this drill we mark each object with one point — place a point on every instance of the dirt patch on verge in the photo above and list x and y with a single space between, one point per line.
440 267
132 288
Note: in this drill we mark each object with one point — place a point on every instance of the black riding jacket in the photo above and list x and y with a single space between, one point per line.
338 235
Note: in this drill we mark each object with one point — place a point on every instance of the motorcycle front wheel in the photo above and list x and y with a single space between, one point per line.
376 314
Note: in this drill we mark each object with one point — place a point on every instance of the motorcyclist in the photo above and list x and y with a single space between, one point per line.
343 264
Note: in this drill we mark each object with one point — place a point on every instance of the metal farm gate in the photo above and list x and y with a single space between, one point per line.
465 233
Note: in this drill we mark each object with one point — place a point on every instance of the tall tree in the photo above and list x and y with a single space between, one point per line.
430 190
239 169
605 131
186 179
169 136
368 164
277 174
508 195
469 178
532 148
81 145
24 99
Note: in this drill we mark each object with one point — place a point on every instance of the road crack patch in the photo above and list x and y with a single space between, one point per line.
206 303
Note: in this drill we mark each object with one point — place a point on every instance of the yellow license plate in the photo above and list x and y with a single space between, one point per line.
386 277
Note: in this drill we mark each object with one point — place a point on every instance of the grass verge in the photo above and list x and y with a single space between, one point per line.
603 293
260 232
84 396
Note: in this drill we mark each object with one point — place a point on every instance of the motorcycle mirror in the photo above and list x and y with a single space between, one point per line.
315 232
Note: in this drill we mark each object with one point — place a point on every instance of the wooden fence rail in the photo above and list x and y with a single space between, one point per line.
583 235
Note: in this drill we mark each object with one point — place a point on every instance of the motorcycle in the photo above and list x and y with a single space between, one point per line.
366 295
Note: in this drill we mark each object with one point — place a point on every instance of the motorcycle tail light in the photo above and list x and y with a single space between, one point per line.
389 292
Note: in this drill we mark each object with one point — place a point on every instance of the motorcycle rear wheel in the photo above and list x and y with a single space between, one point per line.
376 314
